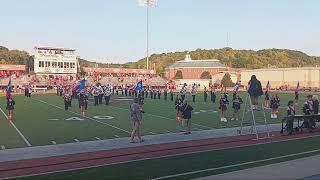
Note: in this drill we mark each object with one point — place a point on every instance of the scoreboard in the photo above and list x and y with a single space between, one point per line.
48 60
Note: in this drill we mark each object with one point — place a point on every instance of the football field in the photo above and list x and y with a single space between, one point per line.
42 120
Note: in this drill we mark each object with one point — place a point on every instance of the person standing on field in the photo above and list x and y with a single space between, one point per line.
136 118
186 115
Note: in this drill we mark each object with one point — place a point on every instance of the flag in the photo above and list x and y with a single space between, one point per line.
222 87
236 87
9 89
298 86
268 87
81 86
138 86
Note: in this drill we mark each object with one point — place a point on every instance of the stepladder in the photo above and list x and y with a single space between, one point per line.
253 120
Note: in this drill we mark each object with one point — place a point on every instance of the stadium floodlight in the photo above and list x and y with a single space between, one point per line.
147 4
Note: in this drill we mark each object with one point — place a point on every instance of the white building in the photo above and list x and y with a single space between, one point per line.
306 76
48 60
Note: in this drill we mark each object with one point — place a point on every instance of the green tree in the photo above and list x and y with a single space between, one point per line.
226 81
178 75
205 75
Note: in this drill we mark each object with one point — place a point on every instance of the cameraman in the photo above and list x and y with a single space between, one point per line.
255 91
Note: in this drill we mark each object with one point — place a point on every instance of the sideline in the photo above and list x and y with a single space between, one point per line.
15 127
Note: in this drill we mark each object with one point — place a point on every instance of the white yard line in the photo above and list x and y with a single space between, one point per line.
207 127
115 127
15 127
236 165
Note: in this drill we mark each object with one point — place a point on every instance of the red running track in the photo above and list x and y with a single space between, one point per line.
92 159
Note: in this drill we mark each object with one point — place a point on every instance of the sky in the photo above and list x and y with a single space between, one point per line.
114 31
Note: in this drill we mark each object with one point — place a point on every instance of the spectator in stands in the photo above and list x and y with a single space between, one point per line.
255 91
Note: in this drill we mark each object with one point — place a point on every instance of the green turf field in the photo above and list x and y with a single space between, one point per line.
42 119
199 164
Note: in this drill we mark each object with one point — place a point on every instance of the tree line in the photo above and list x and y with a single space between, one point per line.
233 58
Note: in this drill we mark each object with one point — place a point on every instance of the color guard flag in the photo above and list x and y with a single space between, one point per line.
268 87
9 89
298 86
236 87
138 86
81 86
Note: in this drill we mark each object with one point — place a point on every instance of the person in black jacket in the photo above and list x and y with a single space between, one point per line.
10 107
315 104
255 91
186 115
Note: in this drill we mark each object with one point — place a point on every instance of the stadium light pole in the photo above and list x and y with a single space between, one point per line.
148 4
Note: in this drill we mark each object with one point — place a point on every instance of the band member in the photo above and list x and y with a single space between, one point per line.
205 94
194 92
95 94
29 91
159 93
274 105
101 93
308 110
165 93
67 101
122 89
147 92
107 94
136 118
130 92
171 94
178 105
266 99
213 94
82 104
117 90
186 115
10 107
154 94
223 106
151 93
142 93
26 91
236 105
315 104
183 92
126 90
290 112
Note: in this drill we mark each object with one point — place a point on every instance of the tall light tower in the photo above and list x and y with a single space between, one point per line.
148 4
